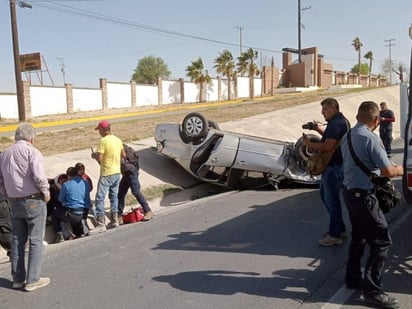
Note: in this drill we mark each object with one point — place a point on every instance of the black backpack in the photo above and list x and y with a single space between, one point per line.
132 157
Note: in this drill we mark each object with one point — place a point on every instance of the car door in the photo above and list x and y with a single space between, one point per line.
407 157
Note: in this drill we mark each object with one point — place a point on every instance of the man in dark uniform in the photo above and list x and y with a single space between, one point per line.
387 117
369 225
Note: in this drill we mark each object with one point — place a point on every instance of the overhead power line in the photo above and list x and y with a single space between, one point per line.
116 20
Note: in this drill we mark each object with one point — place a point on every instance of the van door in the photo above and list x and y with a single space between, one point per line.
407 150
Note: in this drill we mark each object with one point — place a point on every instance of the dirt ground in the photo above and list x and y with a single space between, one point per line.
141 127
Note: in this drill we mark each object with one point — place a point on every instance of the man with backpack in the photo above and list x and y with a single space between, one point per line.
130 179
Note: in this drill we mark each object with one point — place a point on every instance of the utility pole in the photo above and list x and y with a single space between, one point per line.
17 70
300 28
16 53
272 68
240 38
62 66
389 45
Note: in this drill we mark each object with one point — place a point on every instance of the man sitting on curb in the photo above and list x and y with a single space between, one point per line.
75 198
5 225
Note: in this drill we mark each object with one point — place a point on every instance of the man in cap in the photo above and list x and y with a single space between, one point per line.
108 154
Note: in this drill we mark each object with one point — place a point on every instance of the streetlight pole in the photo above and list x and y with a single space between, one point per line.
240 28
17 69
300 9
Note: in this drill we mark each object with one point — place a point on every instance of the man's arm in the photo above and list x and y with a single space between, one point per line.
39 175
392 171
98 156
327 146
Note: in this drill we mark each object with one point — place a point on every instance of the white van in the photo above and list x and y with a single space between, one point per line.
407 157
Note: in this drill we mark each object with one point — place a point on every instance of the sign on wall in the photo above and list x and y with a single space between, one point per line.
30 62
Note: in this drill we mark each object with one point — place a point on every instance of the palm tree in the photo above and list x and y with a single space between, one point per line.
369 56
225 65
246 64
357 44
199 76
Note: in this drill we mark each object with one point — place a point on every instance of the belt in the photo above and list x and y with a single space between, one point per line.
75 211
36 196
359 191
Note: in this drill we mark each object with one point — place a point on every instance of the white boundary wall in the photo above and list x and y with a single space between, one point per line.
86 100
52 100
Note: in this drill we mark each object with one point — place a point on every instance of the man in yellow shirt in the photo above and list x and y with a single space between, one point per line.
108 154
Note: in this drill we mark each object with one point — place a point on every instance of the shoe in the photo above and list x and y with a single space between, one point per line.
18 285
43 281
329 241
120 219
148 216
381 300
341 235
59 238
97 230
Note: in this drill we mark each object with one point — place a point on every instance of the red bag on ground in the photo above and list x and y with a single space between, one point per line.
138 214
129 217
133 216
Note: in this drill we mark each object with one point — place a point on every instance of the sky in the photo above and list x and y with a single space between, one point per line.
84 40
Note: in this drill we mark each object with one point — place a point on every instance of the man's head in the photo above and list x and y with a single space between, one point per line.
71 172
330 107
103 127
80 168
25 132
368 113
383 106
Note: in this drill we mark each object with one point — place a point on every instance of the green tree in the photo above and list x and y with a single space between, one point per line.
357 44
369 56
225 65
149 69
364 69
247 64
197 73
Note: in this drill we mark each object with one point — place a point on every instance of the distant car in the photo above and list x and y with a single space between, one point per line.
232 159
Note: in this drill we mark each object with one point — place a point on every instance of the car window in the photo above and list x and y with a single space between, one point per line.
407 150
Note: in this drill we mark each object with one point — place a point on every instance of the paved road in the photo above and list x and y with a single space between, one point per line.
248 249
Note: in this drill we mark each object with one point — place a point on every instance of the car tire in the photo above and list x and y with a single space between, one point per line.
194 127
302 151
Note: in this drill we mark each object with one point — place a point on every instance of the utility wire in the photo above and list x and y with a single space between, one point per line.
116 20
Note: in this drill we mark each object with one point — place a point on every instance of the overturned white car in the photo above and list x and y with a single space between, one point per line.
232 159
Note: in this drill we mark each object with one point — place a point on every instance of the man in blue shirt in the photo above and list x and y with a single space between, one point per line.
75 198
369 225
331 181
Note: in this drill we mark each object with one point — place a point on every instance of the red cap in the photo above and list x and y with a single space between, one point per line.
104 124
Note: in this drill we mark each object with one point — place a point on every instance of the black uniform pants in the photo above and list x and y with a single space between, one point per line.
369 227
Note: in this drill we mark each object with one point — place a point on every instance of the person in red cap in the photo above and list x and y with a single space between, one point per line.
108 154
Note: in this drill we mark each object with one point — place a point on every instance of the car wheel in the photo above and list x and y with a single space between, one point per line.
213 125
302 151
194 126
